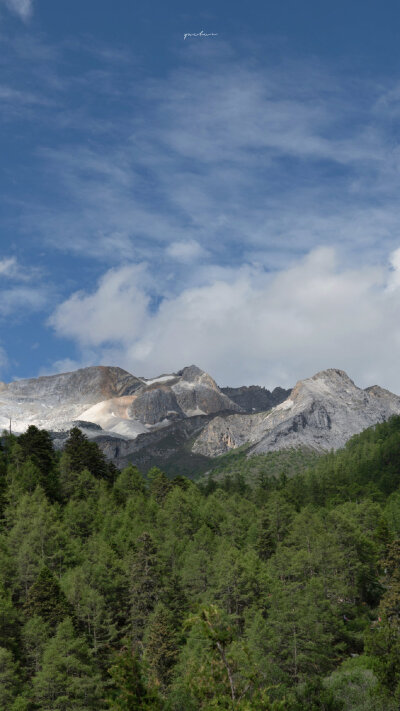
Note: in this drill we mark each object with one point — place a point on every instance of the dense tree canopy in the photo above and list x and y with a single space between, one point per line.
274 592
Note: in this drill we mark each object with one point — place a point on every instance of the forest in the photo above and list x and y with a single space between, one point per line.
125 591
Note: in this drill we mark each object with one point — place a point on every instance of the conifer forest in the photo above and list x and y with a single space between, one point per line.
124 590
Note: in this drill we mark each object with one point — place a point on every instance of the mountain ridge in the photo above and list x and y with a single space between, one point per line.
121 403
321 412
133 418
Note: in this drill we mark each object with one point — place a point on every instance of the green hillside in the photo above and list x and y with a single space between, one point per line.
258 468
274 585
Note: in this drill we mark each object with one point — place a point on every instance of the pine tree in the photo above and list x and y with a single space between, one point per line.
9 627
46 599
129 691
9 679
35 635
383 641
160 485
68 680
129 482
215 669
144 585
82 454
175 599
265 543
161 649
37 447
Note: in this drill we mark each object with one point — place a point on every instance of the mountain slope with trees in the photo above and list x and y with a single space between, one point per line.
123 592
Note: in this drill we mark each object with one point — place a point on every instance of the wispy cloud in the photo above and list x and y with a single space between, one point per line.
187 251
23 8
22 300
249 162
8 267
18 295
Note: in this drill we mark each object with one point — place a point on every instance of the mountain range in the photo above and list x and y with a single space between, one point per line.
149 421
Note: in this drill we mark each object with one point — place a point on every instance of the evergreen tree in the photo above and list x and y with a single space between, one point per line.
9 679
68 680
160 485
37 447
35 635
46 599
313 696
383 641
161 647
144 585
9 623
266 542
82 454
128 483
37 444
129 691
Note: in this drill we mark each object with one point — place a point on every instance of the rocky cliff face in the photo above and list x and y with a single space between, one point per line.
50 401
121 404
255 398
321 412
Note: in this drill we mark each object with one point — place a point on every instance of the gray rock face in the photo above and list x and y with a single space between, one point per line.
198 394
120 404
155 405
255 398
321 412
85 385
50 401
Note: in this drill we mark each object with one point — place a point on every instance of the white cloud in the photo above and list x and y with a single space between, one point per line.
8 267
186 252
115 312
21 300
23 8
251 326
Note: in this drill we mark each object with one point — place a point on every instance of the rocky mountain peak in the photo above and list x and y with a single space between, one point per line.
321 412
191 373
112 398
332 374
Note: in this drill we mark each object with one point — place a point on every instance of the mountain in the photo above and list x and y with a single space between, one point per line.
108 401
254 398
181 420
321 412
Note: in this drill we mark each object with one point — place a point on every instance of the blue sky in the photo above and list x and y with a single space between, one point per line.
231 201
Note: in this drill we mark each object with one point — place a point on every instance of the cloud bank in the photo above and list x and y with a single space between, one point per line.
251 326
